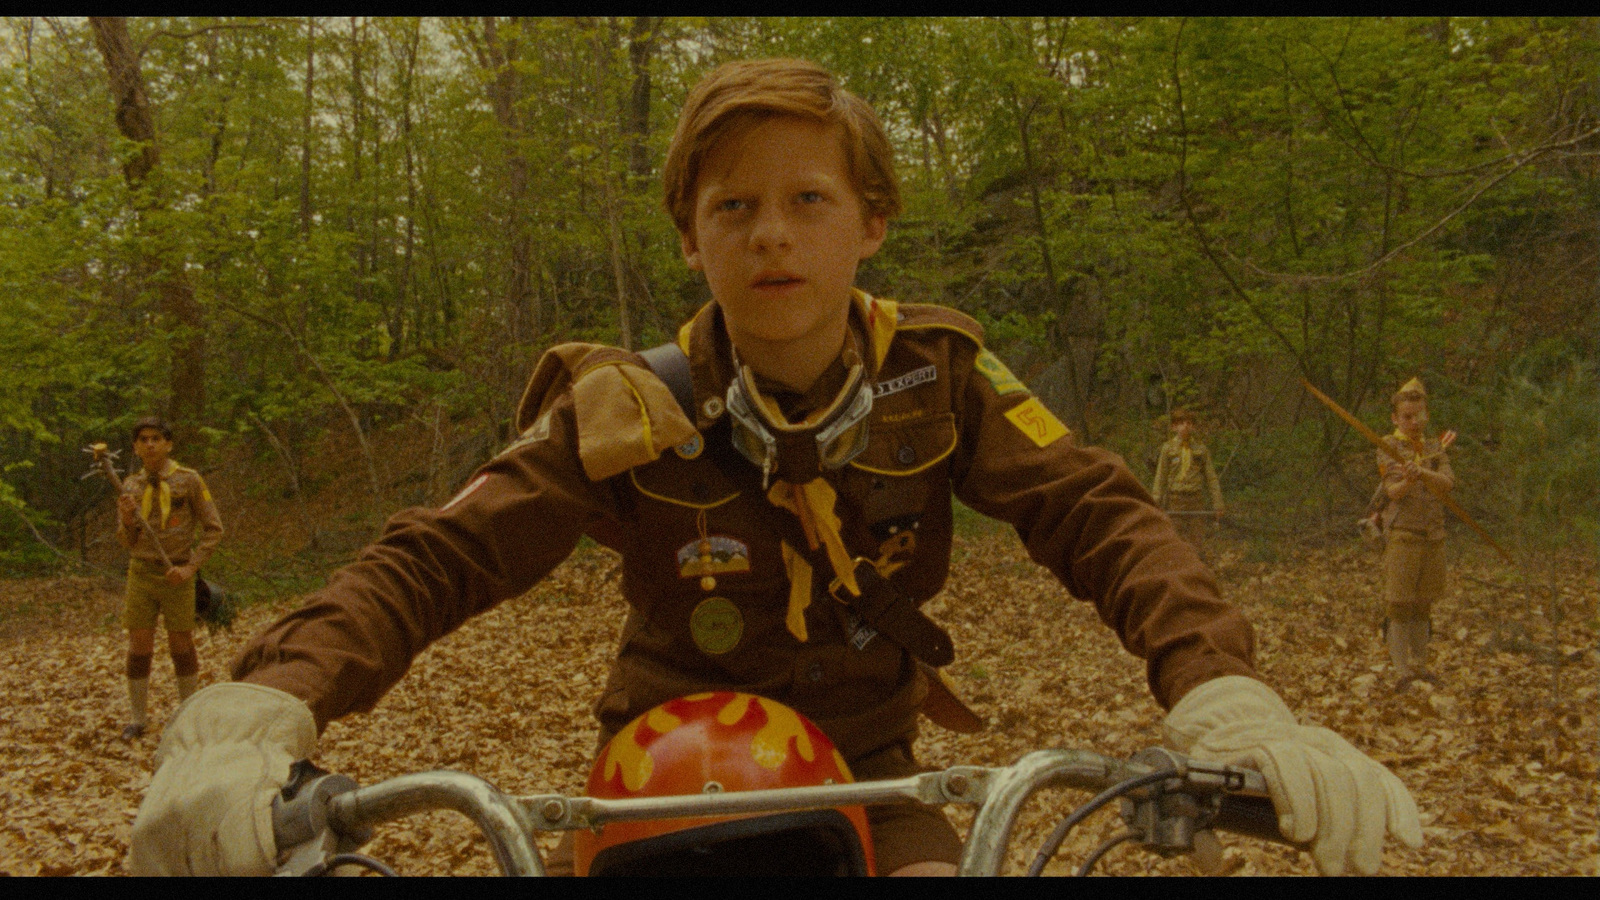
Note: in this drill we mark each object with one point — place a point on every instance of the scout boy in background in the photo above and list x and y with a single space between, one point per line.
1184 479
174 501
779 524
1413 525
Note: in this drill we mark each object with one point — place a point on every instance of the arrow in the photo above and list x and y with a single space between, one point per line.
1372 436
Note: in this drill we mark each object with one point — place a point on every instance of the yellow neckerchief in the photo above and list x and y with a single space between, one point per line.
165 494
1416 447
813 502
1185 459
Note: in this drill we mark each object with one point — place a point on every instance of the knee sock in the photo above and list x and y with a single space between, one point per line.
138 686
187 667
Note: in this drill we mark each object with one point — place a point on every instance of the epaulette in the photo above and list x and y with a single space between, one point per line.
920 316
625 415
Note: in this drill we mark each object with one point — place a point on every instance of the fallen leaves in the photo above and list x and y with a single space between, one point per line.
1500 756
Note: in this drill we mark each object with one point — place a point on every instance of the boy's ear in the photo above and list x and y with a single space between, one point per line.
875 230
691 252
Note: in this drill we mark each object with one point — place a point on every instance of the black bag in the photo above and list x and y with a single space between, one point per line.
212 605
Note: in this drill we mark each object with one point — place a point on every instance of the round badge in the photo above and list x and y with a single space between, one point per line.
691 448
712 407
716 625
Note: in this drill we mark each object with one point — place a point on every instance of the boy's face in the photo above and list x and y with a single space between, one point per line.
1411 417
1183 429
152 448
779 230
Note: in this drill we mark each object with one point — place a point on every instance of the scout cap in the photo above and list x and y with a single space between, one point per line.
156 422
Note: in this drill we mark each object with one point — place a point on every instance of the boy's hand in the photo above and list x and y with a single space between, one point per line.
127 510
179 574
1328 793
209 807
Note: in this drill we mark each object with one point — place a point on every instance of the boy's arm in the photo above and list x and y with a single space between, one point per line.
1213 484
127 536
513 522
1158 492
210 523
1081 513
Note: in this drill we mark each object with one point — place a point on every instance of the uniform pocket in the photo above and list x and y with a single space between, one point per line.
905 448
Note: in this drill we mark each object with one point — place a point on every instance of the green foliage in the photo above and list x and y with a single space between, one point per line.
1142 212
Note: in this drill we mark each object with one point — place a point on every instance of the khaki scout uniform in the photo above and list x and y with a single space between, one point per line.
174 507
605 452
1181 485
1413 555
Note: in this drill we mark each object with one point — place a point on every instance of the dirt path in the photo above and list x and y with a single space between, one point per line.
1503 772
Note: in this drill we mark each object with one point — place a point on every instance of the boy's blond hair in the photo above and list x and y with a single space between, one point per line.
739 95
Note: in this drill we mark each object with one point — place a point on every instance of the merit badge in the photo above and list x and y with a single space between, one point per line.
990 367
716 625
691 448
1034 420
713 555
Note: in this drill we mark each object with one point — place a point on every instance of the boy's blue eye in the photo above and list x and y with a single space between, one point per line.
810 197
731 205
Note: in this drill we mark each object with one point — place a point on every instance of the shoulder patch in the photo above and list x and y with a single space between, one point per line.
1035 420
1000 377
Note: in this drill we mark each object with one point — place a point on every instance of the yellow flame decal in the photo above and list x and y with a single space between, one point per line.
661 721
770 746
626 755
838 760
735 710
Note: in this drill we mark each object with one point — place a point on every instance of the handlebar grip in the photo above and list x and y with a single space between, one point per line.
1251 816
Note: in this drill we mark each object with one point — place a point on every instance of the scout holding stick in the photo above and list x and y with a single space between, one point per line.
163 559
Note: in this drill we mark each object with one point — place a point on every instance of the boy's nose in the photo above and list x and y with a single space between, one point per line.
770 230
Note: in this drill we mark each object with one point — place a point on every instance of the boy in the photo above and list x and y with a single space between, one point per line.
1413 526
173 499
1183 471
828 431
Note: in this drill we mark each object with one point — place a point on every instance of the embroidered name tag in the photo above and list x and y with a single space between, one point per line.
910 379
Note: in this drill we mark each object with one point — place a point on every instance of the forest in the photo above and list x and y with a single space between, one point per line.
331 249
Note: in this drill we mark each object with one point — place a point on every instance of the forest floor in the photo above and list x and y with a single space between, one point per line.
1501 755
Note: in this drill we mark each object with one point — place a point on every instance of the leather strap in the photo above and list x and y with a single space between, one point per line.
898 619
671 365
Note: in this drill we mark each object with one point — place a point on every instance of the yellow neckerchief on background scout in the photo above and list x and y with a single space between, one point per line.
1185 459
165 494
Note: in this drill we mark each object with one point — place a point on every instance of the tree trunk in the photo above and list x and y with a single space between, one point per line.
186 323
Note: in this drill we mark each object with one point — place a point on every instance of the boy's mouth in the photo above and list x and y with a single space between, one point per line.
776 279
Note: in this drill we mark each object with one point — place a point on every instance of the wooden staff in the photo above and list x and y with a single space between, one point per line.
1383 445
102 462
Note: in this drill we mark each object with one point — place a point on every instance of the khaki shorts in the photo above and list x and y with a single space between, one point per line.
1413 574
902 833
149 594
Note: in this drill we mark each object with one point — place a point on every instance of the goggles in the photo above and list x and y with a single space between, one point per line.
799 453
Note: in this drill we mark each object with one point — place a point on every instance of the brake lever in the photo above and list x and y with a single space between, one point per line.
305 839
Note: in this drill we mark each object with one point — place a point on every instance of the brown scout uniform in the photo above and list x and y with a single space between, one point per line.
174 517
173 507
939 427
1185 489
1413 555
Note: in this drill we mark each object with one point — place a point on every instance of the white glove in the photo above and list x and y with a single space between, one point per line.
1328 793
209 807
